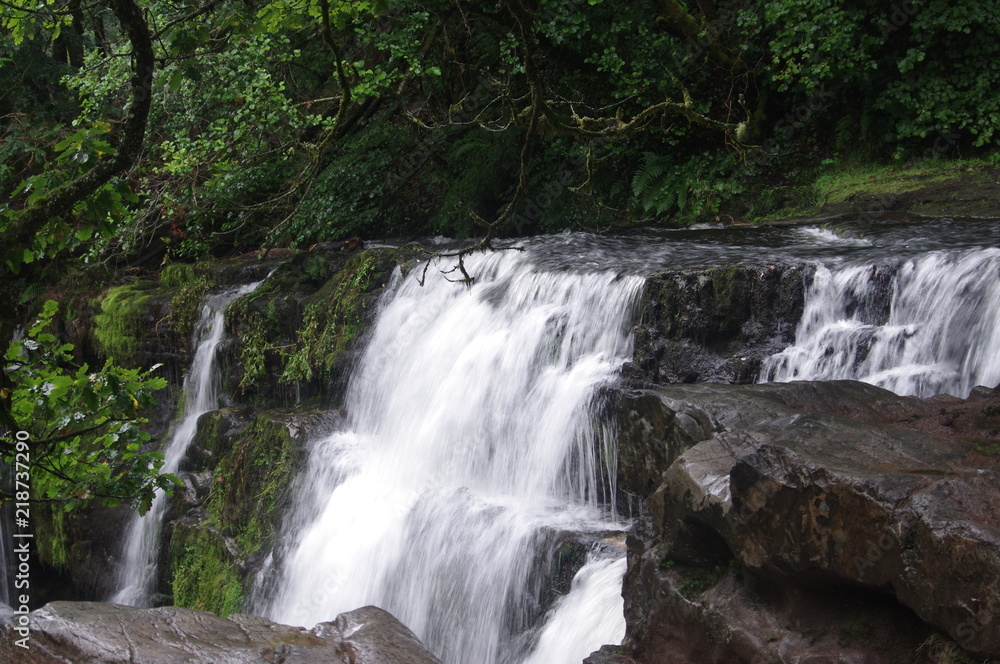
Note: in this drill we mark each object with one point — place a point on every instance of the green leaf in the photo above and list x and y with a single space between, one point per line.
174 84
85 233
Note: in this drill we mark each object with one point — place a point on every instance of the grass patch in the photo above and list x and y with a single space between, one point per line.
848 182
837 182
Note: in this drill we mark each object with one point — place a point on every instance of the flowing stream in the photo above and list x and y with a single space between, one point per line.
137 574
923 326
470 454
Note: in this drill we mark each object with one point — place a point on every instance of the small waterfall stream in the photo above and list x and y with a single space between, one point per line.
924 326
137 574
470 449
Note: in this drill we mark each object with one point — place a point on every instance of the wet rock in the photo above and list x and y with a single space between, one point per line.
731 621
716 325
822 486
609 655
99 633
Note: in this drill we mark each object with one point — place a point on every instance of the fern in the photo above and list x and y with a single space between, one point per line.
651 171
654 185
32 292
687 190
464 146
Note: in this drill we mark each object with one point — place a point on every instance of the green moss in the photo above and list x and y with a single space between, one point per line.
119 327
204 575
250 481
210 434
989 449
50 533
694 580
177 275
333 319
185 307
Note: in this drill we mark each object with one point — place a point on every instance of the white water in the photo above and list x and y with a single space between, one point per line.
137 575
941 334
592 612
470 445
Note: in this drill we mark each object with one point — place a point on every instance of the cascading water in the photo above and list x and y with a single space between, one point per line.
137 574
470 448
592 613
927 326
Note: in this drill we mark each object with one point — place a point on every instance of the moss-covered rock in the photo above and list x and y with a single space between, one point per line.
241 471
190 286
205 572
295 337
126 320
250 482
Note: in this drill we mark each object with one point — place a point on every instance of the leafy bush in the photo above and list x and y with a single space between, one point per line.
84 426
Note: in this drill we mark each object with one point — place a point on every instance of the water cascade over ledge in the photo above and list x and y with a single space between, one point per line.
924 326
137 573
471 447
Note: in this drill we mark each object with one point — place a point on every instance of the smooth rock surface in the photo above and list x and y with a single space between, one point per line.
816 487
99 633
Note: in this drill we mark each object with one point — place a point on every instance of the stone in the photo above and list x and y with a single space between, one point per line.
99 633
818 487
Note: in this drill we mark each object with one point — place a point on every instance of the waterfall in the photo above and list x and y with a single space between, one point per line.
470 449
924 326
137 574
592 612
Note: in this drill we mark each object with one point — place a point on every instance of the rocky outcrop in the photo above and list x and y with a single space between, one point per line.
314 310
796 497
99 633
295 338
717 324
223 522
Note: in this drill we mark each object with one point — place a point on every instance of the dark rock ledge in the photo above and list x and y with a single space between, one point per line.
810 522
98 633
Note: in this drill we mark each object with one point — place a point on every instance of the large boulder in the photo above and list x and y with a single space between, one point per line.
834 486
99 633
